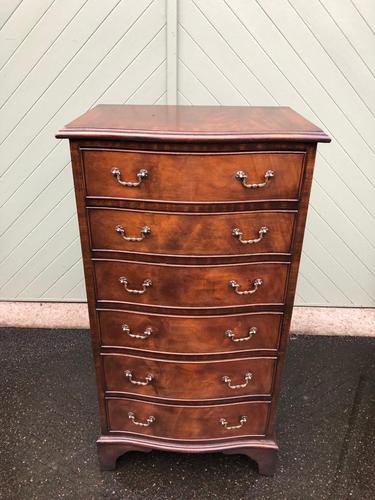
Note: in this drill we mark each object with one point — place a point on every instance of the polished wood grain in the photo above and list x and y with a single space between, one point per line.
176 177
191 234
187 422
193 380
192 155
190 286
190 334
194 124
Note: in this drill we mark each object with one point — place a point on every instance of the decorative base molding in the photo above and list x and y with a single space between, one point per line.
306 320
263 452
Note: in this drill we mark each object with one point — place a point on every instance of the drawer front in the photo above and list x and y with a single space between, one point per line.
188 380
187 422
193 177
191 286
241 233
190 335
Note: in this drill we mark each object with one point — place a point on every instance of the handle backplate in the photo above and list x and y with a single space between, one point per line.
145 231
147 333
141 175
225 424
255 285
231 335
228 381
237 233
145 285
129 375
242 177
150 420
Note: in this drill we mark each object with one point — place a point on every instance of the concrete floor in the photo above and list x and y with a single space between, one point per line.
48 426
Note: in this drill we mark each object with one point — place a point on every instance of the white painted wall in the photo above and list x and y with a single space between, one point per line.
58 58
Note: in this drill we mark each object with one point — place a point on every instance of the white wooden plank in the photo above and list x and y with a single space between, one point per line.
88 94
239 37
305 44
38 210
305 288
7 9
316 103
31 268
171 53
49 67
76 294
328 237
19 24
148 65
344 198
34 46
193 90
70 95
327 262
246 48
299 300
53 272
343 226
30 188
196 20
193 56
64 283
152 89
322 283
314 56
37 238
182 99
357 20
162 99
337 46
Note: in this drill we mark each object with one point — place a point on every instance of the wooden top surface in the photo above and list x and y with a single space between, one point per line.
193 123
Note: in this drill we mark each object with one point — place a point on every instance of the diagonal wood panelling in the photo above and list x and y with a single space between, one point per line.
60 57
67 56
315 57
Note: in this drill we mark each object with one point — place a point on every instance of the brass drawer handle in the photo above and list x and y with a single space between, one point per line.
230 334
242 177
150 420
146 334
224 423
141 175
237 233
255 284
228 381
145 231
129 375
146 284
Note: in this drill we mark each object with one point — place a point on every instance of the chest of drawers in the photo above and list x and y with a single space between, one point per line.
191 222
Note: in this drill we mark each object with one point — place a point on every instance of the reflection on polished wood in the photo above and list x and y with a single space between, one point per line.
191 221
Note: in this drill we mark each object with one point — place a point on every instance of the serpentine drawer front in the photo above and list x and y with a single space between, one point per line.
193 177
190 334
204 234
191 222
188 422
188 379
191 286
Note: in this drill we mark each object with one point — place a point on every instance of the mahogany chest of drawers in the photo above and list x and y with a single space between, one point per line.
191 222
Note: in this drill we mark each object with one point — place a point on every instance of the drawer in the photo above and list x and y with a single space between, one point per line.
193 177
190 334
241 233
190 286
188 380
188 422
